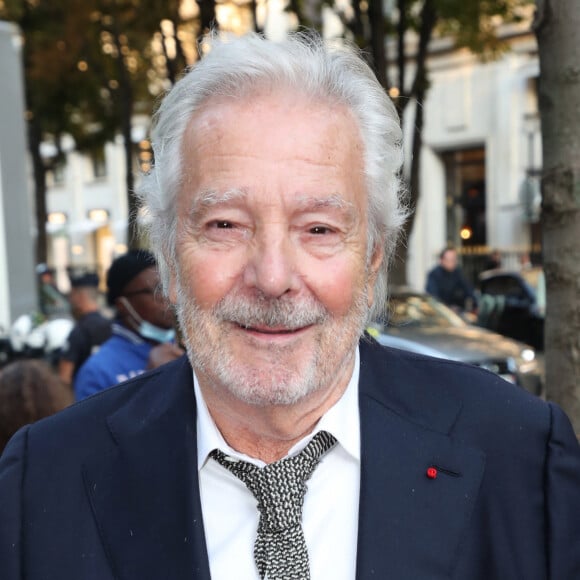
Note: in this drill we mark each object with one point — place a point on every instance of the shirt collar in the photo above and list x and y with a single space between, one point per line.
121 330
341 420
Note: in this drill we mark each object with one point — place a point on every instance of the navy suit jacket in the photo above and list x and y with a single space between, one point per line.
108 488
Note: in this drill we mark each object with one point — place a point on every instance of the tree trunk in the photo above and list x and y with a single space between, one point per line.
254 9
39 172
126 116
557 27
377 25
399 269
174 64
207 18
417 92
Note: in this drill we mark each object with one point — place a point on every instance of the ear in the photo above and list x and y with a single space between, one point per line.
120 306
123 312
373 271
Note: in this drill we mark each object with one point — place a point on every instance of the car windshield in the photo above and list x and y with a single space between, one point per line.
419 310
534 278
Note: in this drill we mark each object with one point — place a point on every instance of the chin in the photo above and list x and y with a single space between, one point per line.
271 392
267 385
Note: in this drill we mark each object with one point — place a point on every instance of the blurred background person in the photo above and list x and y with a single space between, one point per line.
493 261
91 328
525 261
142 331
29 391
52 301
447 283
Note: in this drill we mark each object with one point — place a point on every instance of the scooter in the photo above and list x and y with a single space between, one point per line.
32 336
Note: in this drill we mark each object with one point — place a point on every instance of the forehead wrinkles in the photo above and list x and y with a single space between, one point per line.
208 126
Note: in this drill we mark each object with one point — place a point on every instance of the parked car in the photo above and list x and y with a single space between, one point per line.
513 304
420 323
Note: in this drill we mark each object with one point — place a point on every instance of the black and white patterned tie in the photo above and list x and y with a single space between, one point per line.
280 549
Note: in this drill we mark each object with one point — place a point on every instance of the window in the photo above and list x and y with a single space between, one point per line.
99 163
466 197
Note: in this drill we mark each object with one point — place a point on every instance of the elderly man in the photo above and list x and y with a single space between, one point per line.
284 446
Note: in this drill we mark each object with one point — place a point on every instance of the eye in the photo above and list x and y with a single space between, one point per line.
225 230
222 224
320 230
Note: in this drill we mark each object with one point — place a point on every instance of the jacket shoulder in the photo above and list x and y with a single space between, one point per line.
85 423
425 388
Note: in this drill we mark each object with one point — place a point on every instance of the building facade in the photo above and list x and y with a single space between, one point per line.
87 207
479 176
18 292
481 158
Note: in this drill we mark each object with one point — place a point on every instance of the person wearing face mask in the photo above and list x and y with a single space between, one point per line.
143 329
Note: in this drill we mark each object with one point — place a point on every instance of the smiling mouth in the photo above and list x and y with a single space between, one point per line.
271 331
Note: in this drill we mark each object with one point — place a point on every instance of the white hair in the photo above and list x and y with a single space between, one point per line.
302 63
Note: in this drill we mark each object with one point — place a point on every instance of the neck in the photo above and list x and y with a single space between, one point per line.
268 432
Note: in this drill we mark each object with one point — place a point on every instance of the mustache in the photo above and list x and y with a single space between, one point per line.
260 310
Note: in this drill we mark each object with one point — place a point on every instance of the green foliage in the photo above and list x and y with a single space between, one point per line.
86 65
473 25
60 97
82 60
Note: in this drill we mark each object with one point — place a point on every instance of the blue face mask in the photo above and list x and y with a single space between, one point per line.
152 332
148 330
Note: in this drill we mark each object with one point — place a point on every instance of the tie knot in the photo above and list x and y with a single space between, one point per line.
280 487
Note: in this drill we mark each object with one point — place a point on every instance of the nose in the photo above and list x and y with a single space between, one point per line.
271 266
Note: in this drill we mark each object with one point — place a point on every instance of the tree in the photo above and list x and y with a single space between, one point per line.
557 27
63 95
41 82
410 25
88 85
116 53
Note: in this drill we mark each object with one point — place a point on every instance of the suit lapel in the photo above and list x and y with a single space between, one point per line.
410 525
144 493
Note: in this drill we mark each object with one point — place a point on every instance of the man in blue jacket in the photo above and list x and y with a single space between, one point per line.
143 320
447 283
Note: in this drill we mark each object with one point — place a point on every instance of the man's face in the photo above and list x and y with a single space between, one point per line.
272 284
144 294
449 260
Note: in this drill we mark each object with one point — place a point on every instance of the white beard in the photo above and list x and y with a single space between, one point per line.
272 378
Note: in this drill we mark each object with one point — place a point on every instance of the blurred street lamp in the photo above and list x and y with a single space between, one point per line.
98 215
145 155
57 218
466 233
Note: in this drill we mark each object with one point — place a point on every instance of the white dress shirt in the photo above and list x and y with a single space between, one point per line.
330 513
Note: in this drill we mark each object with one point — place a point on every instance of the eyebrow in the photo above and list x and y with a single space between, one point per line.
209 198
334 201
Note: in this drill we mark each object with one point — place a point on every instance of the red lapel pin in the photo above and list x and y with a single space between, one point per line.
432 473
